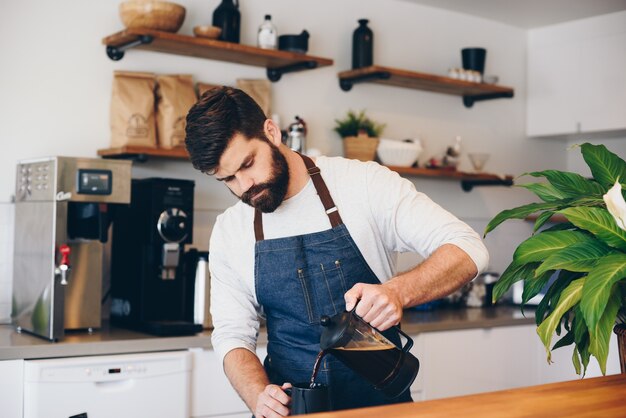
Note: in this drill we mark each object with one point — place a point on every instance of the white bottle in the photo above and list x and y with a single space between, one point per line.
266 37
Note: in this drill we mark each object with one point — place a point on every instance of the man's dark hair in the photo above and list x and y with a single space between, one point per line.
215 119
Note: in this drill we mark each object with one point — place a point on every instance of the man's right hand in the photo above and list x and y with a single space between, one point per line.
273 402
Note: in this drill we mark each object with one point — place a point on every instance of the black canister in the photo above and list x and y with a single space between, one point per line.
474 59
362 46
228 18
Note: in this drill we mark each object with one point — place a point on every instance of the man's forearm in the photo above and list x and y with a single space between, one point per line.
446 270
246 374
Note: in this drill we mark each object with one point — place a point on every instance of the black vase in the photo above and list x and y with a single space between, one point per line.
362 45
228 18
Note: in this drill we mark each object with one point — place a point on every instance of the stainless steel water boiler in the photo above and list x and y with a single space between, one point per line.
62 208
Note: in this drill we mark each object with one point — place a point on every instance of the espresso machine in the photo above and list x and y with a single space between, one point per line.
62 219
152 286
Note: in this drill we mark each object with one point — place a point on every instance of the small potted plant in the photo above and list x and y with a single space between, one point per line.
360 135
582 261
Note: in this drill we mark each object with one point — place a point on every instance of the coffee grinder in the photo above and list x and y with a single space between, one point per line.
62 219
150 288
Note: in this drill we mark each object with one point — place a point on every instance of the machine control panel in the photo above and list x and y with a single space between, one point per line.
35 181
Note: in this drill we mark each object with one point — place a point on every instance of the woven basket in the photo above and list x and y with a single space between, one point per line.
620 330
360 147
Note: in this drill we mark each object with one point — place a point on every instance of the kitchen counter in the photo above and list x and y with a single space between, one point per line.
449 319
112 340
107 340
591 397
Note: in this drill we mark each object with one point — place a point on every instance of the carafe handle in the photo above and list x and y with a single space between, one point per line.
409 340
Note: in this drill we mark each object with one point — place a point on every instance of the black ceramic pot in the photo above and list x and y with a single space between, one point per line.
474 59
294 43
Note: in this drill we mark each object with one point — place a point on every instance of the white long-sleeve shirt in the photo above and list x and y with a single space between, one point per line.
382 211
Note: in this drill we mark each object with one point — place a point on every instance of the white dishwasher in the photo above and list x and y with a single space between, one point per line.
131 385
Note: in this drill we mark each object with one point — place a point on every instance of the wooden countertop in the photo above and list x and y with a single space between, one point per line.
594 397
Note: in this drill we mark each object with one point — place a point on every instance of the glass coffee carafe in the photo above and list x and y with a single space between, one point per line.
369 353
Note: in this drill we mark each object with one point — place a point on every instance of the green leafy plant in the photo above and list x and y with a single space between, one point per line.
585 256
355 122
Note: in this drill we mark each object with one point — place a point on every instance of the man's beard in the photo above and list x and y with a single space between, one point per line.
274 189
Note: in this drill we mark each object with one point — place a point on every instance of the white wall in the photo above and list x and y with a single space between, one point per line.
55 89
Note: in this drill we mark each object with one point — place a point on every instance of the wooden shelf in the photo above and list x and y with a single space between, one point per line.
468 180
277 62
142 153
470 91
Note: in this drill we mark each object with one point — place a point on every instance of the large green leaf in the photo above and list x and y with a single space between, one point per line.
541 246
582 257
533 285
570 184
542 219
568 339
576 360
599 222
600 335
569 297
518 213
605 166
600 281
581 336
513 273
545 191
553 294
581 341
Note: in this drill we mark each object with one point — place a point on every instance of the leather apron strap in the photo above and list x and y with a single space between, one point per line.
322 191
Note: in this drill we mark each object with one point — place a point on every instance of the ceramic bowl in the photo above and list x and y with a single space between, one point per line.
148 14
399 153
209 32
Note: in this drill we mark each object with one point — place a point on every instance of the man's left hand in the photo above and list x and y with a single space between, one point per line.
378 305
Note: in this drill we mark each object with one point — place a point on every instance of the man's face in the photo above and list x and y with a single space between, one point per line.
255 171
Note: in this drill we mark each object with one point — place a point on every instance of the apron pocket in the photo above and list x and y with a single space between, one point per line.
309 299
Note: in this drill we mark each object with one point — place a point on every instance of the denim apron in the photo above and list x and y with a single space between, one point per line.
300 278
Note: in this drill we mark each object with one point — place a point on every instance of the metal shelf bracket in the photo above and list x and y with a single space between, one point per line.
347 83
116 52
468 184
468 101
274 74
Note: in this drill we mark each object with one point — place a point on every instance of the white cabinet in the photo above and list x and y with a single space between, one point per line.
576 77
455 363
11 388
211 393
464 362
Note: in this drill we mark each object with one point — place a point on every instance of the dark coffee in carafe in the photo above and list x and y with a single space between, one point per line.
376 364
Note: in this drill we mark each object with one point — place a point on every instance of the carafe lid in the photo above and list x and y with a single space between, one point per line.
337 331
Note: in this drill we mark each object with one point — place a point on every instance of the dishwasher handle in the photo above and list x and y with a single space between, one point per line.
121 385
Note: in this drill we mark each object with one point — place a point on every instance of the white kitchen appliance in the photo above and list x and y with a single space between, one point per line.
122 386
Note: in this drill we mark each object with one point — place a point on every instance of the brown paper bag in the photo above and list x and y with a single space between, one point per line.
132 110
175 96
204 87
260 90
